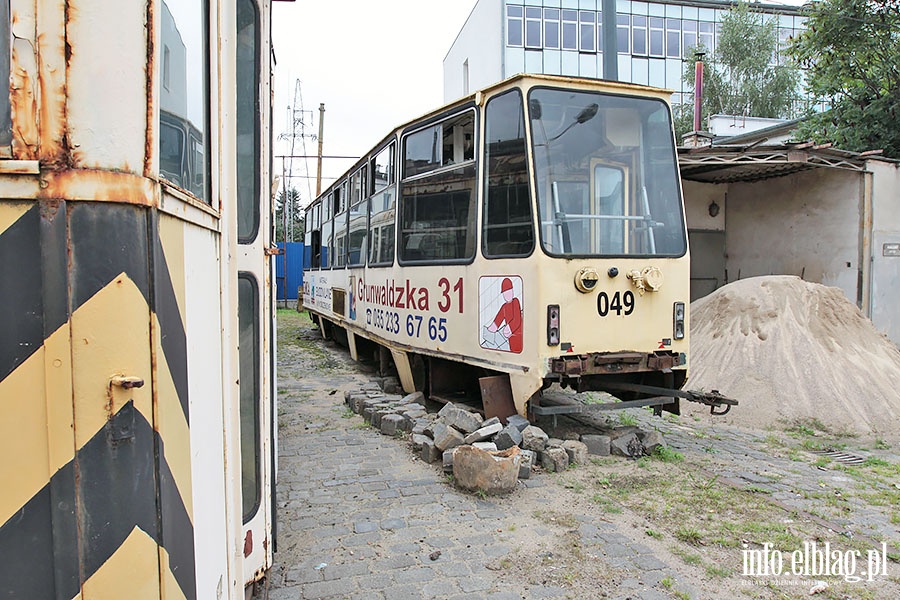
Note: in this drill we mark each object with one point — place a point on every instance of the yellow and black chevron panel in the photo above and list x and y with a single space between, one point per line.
96 476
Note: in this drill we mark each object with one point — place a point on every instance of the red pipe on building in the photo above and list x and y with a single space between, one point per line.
698 90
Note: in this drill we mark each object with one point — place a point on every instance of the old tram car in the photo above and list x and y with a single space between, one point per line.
136 377
528 234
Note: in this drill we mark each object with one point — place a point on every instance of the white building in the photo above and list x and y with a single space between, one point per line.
566 37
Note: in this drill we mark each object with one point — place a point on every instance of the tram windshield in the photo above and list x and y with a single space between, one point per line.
607 175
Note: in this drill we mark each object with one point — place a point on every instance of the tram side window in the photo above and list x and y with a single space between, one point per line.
327 231
382 208
183 143
339 246
508 225
357 229
312 251
248 130
437 198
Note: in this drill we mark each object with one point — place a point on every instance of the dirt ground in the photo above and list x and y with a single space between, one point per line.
679 503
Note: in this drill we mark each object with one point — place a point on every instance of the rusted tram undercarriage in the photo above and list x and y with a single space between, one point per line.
635 379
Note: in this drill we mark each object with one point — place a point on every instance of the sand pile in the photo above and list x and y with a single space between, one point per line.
789 351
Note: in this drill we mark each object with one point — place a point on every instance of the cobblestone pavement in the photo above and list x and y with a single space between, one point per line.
360 517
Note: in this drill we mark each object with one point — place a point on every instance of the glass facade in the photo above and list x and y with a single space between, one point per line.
565 37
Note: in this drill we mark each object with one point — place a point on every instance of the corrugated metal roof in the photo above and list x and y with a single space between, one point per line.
723 163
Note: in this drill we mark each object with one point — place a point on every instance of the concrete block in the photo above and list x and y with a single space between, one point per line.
486 446
418 440
392 385
534 438
430 452
596 444
517 421
417 397
626 445
577 451
651 441
554 459
490 472
357 401
527 462
483 433
446 437
391 423
508 437
448 460
460 418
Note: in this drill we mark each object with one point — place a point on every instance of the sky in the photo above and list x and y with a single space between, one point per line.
374 64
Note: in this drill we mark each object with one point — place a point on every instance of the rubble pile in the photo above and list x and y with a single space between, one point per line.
488 455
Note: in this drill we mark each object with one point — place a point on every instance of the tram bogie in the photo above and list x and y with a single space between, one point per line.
533 231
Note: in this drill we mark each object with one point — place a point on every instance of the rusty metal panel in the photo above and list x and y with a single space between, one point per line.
497 397
106 126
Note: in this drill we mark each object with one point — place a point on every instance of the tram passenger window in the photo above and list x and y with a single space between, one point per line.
450 142
383 169
327 243
357 235
381 227
339 247
508 227
312 250
437 217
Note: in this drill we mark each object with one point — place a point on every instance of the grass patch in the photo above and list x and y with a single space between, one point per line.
667 455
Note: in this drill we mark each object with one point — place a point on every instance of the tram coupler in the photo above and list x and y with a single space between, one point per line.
713 398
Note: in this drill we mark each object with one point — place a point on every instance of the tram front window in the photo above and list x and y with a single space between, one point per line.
607 175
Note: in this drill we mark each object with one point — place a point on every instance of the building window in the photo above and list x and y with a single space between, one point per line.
707 31
673 38
184 110
532 27
570 29
551 28
690 34
588 31
639 35
657 36
514 25
623 33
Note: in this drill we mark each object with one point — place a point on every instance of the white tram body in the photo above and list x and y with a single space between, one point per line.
136 379
533 231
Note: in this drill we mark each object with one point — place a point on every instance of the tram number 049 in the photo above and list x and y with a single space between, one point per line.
619 303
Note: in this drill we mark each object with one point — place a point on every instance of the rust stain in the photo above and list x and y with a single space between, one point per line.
98 185
23 109
56 149
149 71
248 543
49 209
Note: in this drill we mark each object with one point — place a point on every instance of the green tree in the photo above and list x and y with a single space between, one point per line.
740 78
295 216
851 53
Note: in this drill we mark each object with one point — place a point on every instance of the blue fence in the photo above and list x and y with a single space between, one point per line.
289 270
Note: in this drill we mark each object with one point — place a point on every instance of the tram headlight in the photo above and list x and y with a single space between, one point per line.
678 321
553 325
586 280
